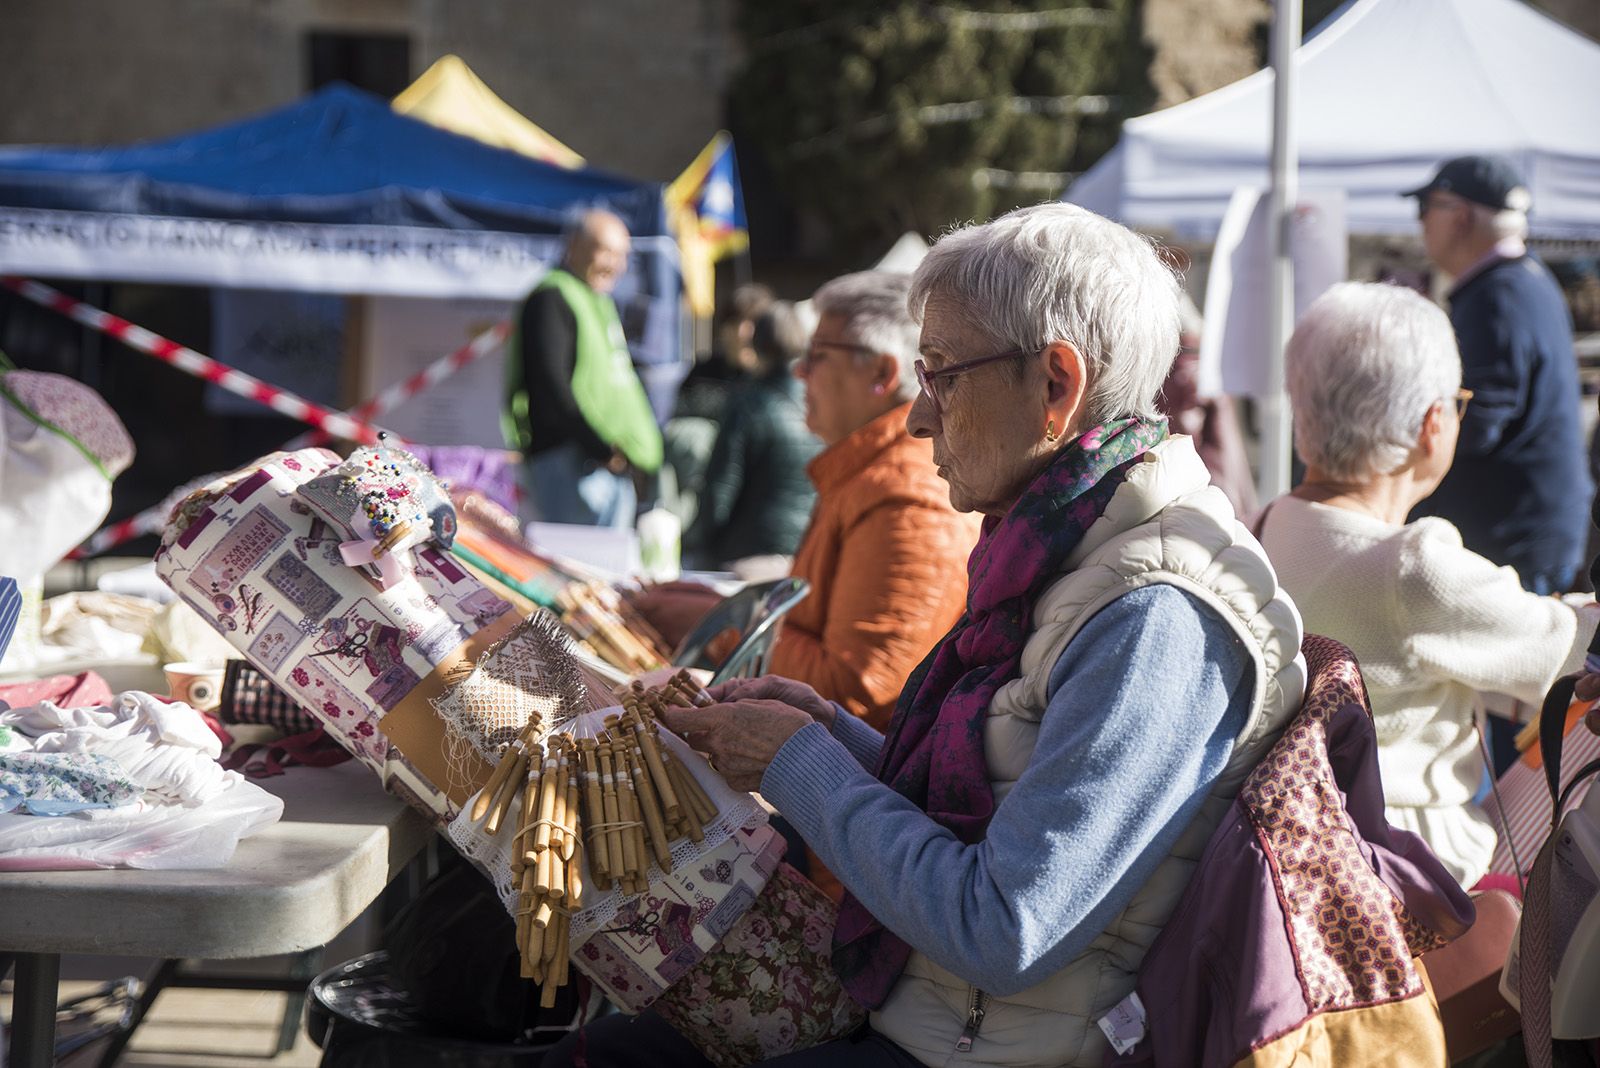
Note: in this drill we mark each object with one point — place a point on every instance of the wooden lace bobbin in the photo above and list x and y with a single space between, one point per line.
554 964
634 782
628 810
613 817
594 813
386 544
532 944
530 812
547 797
692 824
691 691
497 778
542 873
636 824
574 881
569 827
654 820
701 809
524 901
510 790
650 749
558 832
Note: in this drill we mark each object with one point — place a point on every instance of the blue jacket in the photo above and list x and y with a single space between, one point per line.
1519 489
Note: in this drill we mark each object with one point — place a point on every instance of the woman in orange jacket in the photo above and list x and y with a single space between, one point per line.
885 554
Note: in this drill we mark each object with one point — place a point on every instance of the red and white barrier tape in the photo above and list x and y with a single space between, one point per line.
119 533
149 521
394 396
192 362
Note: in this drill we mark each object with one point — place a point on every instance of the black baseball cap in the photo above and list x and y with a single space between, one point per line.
1488 180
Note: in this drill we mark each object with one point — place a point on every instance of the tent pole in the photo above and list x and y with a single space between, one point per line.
1276 433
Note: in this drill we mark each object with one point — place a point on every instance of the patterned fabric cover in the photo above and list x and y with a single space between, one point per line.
75 410
262 568
769 988
1354 938
1298 932
375 491
741 970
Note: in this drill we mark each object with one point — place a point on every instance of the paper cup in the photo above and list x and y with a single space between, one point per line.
196 685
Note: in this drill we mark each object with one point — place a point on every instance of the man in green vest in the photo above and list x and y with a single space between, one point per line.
575 406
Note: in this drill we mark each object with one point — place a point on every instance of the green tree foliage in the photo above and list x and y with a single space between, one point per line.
881 116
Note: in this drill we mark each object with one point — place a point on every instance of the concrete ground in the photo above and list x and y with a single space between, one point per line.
193 1028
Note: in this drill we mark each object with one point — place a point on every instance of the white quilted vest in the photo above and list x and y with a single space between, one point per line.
1165 524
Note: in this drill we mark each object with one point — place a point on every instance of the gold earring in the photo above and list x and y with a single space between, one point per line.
1050 430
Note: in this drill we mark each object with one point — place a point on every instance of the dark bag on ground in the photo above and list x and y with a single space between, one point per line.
453 950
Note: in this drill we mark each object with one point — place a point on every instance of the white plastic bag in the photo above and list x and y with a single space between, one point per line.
192 814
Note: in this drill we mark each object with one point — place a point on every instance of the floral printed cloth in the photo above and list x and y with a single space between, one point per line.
769 987
55 784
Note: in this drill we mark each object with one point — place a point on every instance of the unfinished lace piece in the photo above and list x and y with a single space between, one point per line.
529 675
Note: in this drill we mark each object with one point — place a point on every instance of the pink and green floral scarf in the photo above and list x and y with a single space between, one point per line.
933 753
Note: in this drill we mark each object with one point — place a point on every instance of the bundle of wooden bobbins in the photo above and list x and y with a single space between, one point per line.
617 790
604 622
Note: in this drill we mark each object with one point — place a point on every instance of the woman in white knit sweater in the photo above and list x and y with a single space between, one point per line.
1375 381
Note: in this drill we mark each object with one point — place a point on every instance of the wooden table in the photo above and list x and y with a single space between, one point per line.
290 888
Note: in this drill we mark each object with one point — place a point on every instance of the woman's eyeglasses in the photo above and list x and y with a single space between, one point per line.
818 349
1462 398
927 378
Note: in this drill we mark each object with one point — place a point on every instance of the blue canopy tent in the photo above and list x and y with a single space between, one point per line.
335 193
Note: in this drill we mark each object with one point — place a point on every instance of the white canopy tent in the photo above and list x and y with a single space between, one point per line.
1387 90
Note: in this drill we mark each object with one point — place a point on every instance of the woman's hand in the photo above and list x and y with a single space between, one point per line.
740 737
778 688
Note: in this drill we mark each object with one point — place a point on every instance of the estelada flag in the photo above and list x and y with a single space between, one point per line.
706 206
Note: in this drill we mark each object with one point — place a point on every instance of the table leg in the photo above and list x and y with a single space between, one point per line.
33 1010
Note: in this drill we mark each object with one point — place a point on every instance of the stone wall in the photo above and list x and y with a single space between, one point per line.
635 86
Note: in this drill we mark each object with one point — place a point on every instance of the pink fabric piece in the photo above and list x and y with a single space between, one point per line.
76 410
84 690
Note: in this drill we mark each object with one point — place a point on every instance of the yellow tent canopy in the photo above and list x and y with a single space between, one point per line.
450 96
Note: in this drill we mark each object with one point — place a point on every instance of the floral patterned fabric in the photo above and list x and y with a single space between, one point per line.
265 570
73 409
769 988
53 784
933 751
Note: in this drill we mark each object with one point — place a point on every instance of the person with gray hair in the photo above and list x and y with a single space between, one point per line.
1015 841
885 553
1519 491
1375 383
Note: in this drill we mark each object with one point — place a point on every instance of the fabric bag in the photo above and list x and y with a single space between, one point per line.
1519 807
60 447
250 697
733 952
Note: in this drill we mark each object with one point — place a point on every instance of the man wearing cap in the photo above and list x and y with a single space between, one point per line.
575 406
1518 490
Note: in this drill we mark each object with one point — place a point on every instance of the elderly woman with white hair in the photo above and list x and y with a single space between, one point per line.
1375 383
1056 765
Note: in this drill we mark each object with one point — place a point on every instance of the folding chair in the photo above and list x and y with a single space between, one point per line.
754 612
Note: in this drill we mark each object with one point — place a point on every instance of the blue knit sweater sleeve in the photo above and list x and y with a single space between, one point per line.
1144 705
